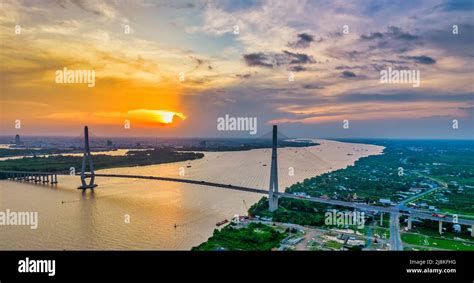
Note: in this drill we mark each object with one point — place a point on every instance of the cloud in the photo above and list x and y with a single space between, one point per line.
304 41
345 67
244 76
297 68
372 36
421 59
313 86
298 58
348 74
270 60
456 5
258 59
392 32
98 8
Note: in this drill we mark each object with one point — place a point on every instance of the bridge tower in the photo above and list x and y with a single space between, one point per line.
87 158
273 190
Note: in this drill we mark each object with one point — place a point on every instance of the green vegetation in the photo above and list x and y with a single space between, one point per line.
405 169
436 242
384 233
291 211
334 245
132 158
246 144
430 228
8 152
254 237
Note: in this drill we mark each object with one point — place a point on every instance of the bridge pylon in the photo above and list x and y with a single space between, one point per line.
87 158
273 189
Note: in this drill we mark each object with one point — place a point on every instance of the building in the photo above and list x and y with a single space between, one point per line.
457 228
385 201
17 140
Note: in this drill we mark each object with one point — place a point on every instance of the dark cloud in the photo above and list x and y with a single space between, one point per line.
405 97
297 68
298 58
345 67
313 86
453 44
421 59
348 74
304 41
392 33
258 59
397 33
277 59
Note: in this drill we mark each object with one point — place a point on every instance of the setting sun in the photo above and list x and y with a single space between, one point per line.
147 116
167 117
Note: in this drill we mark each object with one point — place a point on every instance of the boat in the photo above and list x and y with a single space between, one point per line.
222 222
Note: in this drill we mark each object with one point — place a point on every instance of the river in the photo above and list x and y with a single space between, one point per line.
128 214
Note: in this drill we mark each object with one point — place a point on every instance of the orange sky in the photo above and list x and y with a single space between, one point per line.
153 59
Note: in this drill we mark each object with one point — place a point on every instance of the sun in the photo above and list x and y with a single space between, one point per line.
166 117
154 117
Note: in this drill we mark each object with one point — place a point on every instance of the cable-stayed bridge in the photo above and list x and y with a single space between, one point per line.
87 176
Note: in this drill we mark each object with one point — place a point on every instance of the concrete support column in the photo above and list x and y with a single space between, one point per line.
472 230
381 219
409 223
440 227
273 190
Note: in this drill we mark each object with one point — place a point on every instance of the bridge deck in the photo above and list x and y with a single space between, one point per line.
361 206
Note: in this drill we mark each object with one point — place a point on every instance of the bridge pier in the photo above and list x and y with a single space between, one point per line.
37 177
87 158
409 222
440 227
54 179
472 230
381 219
273 190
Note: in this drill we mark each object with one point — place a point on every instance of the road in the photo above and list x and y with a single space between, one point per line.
395 240
386 209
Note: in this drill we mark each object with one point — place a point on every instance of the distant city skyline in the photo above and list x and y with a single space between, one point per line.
172 68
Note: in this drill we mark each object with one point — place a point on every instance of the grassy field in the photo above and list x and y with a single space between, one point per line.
436 242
